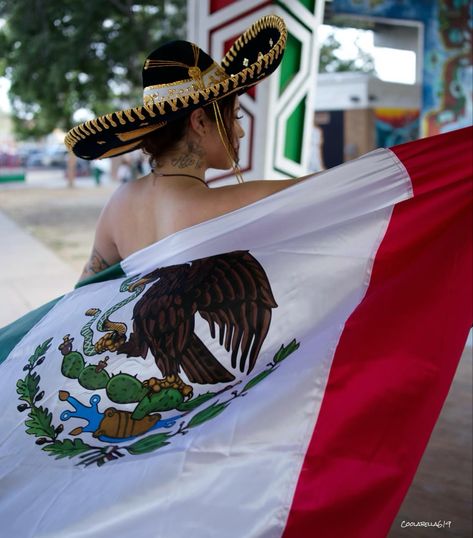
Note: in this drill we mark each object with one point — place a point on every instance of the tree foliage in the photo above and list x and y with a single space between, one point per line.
330 62
63 55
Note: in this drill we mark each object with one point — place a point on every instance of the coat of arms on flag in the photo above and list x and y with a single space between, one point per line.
230 291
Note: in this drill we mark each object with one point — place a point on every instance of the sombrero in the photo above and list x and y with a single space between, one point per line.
177 78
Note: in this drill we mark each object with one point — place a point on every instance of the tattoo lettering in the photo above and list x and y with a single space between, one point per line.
192 158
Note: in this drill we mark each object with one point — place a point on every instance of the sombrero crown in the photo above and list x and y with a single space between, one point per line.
177 78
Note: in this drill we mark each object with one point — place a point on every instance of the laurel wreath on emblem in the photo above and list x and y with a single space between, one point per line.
54 441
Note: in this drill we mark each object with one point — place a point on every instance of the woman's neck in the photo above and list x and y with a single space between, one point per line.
188 159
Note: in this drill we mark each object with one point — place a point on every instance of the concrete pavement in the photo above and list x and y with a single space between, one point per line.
30 274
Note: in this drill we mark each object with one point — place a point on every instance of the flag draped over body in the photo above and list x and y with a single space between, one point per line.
275 371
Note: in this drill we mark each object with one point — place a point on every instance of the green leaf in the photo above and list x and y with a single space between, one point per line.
284 352
207 414
148 444
39 423
195 402
257 379
28 388
67 448
40 350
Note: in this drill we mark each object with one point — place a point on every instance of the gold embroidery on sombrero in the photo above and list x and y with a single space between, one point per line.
173 102
129 135
89 127
164 63
103 121
203 86
224 84
128 114
160 107
120 149
149 109
84 129
265 22
184 99
96 125
212 76
119 115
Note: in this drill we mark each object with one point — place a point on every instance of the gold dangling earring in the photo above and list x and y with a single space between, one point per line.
225 141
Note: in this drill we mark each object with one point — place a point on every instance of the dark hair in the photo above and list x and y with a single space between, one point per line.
162 140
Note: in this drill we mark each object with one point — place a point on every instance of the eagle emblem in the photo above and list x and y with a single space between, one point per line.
125 414
230 291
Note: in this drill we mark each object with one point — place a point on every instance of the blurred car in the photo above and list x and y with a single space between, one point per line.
51 157
55 157
34 158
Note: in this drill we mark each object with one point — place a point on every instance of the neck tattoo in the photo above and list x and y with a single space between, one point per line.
157 174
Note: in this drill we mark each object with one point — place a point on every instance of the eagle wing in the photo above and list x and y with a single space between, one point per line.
163 322
235 295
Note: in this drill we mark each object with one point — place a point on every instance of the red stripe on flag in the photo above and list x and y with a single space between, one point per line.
397 355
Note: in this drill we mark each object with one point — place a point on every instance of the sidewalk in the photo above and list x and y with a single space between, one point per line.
30 275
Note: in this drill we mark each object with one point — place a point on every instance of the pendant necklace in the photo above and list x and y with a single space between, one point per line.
186 175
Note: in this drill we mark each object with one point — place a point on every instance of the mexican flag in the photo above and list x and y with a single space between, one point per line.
276 371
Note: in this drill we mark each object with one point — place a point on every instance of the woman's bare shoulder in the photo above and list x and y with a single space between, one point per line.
221 200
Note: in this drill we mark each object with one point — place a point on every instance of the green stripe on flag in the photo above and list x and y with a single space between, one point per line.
111 273
13 333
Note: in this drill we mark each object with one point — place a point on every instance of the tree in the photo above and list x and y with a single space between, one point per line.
330 62
63 55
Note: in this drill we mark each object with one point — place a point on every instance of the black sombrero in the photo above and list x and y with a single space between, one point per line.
177 78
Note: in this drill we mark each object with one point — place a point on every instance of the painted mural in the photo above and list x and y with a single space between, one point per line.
396 126
448 71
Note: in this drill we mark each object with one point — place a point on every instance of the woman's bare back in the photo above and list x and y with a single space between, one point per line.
145 211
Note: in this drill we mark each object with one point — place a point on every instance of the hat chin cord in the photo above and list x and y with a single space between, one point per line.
225 141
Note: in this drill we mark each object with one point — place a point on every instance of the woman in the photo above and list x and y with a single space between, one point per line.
101 436
175 195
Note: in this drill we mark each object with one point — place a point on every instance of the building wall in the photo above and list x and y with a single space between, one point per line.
447 60
359 133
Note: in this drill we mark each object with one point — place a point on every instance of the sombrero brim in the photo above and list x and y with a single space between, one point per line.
252 58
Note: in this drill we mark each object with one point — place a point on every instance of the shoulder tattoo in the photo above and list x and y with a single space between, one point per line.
96 262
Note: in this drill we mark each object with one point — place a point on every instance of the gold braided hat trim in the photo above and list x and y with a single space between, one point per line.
214 83
199 81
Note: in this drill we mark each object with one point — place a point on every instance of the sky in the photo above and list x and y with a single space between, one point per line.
391 65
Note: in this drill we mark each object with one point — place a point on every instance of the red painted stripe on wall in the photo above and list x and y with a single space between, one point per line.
216 5
397 355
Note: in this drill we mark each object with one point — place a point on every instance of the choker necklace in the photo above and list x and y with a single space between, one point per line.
186 175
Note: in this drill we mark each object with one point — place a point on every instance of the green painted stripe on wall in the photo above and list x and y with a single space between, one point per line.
291 62
309 4
6 178
294 133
